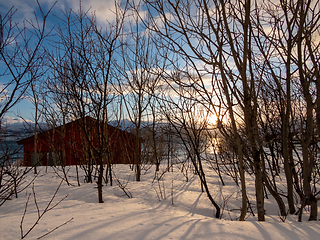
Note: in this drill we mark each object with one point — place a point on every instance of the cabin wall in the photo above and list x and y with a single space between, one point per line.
76 144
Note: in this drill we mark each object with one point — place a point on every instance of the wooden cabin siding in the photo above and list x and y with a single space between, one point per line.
76 138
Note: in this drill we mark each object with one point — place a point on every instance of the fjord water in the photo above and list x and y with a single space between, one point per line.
10 151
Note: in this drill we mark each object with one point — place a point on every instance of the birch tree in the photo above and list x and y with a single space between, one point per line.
84 65
140 69
21 54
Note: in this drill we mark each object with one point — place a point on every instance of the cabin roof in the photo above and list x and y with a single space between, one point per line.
87 119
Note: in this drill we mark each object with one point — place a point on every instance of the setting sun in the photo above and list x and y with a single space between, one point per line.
212 119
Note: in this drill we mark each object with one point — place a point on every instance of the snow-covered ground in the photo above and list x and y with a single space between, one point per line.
149 214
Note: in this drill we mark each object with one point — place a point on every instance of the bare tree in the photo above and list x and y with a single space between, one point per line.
229 41
294 24
190 124
307 30
84 72
140 69
22 55
22 60
179 24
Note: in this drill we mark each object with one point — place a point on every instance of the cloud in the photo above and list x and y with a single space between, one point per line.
25 9
103 9
4 93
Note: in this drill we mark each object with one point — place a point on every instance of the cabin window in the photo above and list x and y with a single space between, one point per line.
36 159
53 158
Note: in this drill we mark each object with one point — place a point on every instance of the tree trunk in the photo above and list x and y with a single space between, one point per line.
287 168
259 187
99 182
276 196
310 198
137 155
243 182
289 180
200 172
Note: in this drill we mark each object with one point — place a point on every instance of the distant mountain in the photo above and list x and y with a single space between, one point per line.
126 124
18 130
16 127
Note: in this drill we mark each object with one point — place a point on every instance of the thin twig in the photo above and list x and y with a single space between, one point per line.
55 228
48 208
24 213
35 200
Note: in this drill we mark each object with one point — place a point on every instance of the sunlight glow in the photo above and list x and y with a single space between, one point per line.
212 119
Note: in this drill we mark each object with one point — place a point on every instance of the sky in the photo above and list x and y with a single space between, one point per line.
26 9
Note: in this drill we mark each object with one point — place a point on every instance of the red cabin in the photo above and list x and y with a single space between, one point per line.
78 142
